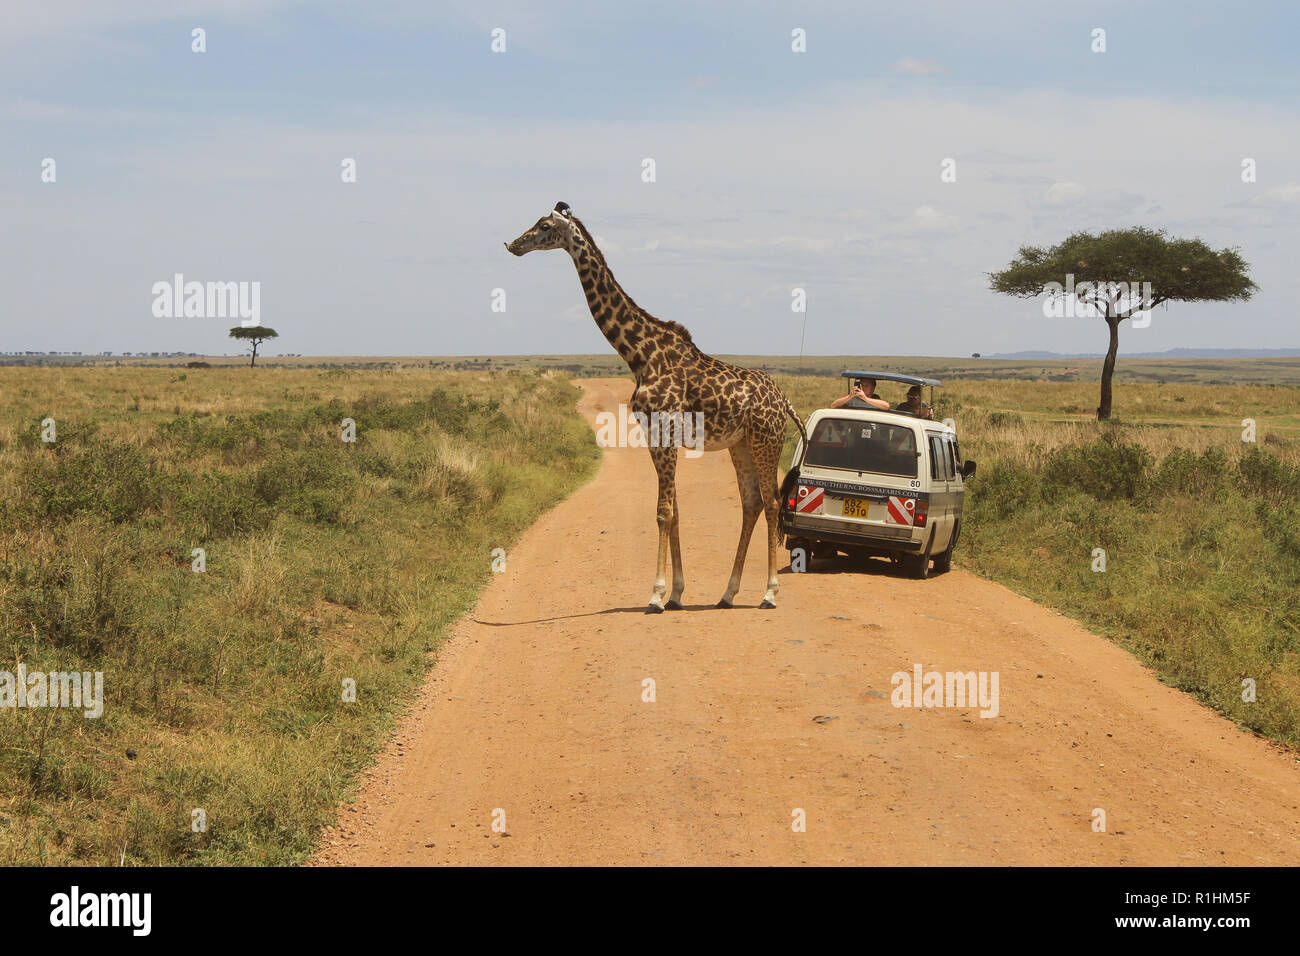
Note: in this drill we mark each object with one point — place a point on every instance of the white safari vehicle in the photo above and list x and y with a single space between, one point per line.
871 482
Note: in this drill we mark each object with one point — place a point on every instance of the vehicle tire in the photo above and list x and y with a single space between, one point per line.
917 566
943 562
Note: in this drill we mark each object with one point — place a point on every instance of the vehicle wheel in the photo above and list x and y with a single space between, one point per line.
917 565
943 562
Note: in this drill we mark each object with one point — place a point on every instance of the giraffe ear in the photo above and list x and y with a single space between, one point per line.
563 209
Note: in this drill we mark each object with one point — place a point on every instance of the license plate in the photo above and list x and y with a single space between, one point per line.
856 507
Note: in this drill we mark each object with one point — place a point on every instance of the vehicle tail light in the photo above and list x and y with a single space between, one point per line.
790 501
918 515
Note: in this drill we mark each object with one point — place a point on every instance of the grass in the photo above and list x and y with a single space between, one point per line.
328 561
1200 529
325 561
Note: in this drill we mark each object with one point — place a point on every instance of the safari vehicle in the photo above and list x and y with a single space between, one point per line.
871 482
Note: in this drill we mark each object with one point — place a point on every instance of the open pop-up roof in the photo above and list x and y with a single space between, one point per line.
891 377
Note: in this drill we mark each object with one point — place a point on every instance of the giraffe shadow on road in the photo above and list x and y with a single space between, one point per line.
640 609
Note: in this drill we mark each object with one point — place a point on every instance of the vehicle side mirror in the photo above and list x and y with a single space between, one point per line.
968 469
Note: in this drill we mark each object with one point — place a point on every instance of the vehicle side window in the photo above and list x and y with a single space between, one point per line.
941 461
952 459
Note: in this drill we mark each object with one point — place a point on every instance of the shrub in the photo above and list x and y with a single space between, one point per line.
1183 472
109 479
1004 419
312 483
1107 468
1001 489
215 503
1267 476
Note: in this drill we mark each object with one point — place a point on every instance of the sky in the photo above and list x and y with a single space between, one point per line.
774 170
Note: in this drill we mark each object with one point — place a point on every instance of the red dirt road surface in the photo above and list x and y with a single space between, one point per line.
534 712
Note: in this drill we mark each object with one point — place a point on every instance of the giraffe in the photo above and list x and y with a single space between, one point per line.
742 409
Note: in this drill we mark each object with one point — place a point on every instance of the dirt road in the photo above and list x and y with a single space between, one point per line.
535 709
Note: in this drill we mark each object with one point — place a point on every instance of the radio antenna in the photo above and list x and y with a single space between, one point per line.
804 334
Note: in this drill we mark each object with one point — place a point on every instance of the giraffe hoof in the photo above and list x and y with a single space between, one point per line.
673 606
723 603
654 609
766 604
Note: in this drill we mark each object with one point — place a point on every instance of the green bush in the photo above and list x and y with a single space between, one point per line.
1107 468
1267 476
997 419
77 597
109 479
1184 472
215 503
313 483
1001 490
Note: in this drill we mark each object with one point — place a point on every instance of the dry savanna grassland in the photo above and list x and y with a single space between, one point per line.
326 561
330 561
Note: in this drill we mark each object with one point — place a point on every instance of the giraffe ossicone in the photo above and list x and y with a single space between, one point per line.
742 410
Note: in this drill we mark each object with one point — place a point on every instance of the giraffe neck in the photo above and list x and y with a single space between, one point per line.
627 326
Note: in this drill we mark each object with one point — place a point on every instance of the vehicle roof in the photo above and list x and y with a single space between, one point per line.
890 377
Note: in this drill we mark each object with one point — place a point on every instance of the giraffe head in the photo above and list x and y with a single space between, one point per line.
556 230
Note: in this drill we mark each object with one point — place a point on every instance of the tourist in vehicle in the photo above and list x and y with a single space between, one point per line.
864 389
914 404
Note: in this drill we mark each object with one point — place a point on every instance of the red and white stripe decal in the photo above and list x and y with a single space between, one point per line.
900 510
810 499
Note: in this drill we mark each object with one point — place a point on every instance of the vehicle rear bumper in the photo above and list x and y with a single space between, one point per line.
794 527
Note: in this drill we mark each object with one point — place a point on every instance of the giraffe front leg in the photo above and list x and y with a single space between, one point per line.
665 465
679 574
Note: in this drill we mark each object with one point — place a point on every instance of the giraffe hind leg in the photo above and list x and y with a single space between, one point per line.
751 504
766 461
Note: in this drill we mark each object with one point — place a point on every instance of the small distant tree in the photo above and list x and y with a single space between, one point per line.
255 335
1107 269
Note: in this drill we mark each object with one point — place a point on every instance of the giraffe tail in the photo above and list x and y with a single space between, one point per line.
789 410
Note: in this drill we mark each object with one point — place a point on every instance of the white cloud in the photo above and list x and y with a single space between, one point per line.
1065 194
1287 193
926 218
913 67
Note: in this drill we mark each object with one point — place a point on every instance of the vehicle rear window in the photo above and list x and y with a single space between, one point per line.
863 446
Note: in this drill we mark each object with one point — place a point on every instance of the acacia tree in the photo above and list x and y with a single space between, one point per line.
255 335
1124 272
